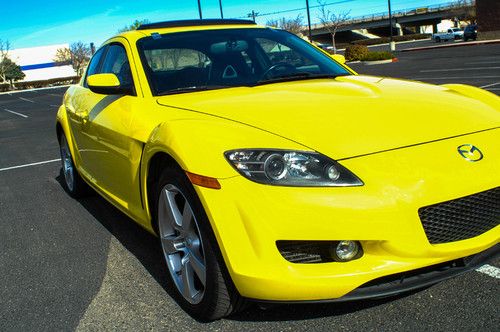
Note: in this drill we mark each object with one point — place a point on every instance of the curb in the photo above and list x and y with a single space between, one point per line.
481 42
28 90
372 63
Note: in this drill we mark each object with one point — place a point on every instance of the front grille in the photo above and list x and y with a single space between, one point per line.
461 218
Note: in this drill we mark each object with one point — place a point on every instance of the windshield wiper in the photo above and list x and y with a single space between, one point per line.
296 77
186 89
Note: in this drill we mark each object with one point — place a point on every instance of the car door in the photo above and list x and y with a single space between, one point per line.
79 104
117 154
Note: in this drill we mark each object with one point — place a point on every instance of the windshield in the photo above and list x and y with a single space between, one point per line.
214 59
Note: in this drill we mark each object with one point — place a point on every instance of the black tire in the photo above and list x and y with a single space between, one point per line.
438 40
218 297
72 181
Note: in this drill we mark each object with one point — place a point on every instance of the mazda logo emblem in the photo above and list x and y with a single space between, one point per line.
470 152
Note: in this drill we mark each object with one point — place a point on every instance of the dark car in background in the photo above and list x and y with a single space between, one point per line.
470 32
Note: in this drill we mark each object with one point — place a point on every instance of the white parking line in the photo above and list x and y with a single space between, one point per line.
481 63
6 110
454 77
490 270
28 100
488 85
457 69
28 165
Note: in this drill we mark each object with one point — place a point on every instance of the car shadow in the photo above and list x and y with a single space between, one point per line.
147 249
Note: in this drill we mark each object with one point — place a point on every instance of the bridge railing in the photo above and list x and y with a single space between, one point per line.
398 13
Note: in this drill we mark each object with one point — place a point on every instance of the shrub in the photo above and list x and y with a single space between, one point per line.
375 56
355 52
4 87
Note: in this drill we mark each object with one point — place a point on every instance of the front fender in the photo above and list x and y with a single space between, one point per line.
198 146
482 95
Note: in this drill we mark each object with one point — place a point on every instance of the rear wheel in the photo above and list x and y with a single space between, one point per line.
198 274
73 182
438 40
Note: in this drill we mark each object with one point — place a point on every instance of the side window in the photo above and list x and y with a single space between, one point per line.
279 53
176 59
94 64
116 62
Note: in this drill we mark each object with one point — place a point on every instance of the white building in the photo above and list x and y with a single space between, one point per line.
37 63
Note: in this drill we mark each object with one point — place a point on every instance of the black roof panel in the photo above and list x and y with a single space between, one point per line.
187 23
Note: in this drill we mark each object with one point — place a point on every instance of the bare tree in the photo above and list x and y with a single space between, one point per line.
4 50
293 25
63 56
331 20
464 10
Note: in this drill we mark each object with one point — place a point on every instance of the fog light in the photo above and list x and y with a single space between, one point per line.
346 250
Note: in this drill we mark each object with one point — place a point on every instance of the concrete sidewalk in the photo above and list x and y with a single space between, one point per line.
477 42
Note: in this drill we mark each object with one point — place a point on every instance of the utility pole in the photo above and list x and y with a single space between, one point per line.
199 9
253 15
391 42
309 20
220 6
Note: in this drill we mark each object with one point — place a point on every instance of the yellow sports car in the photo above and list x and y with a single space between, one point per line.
273 172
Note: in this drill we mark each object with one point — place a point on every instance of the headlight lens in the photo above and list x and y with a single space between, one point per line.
291 168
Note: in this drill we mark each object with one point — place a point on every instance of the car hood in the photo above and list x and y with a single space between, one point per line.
347 116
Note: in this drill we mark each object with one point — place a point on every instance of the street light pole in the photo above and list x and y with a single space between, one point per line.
220 6
391 43
199 9
309 20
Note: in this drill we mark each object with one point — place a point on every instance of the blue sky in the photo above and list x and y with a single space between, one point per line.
28 23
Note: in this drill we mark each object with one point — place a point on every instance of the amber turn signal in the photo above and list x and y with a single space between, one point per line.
203 181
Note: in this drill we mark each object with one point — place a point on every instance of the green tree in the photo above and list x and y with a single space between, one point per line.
133 26
12 72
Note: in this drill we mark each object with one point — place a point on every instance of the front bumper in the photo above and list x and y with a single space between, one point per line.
248 218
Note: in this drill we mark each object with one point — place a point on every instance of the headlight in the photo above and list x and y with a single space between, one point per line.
291 168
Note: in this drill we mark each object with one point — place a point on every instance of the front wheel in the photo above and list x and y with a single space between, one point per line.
197 271
73 182
438 40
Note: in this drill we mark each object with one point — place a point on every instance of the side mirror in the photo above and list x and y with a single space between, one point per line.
338 57
106 84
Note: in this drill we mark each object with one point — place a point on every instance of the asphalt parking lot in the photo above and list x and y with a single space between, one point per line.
82 265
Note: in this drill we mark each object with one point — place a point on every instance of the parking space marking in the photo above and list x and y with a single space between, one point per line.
488 85
490 270
454 78
28 100
6 110
482 63
28 165
457 69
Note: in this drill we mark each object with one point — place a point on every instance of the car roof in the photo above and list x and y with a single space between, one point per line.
146 30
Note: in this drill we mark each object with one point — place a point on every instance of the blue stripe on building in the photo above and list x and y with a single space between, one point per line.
40 66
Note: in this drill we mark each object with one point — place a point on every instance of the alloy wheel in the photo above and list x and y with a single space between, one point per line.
181 244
